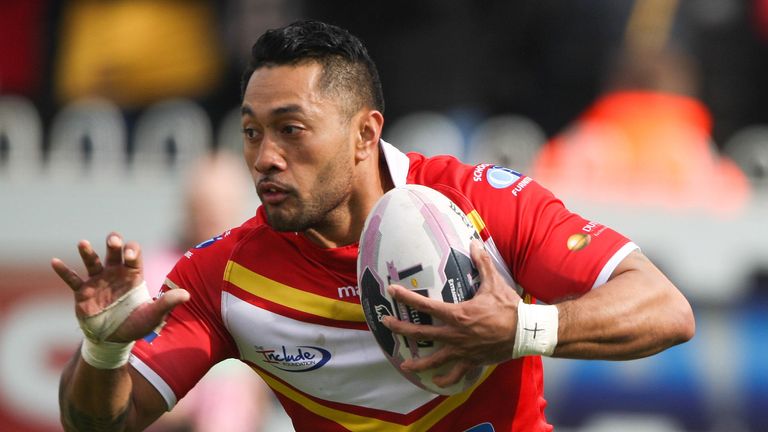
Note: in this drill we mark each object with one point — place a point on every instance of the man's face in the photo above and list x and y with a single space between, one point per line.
299 146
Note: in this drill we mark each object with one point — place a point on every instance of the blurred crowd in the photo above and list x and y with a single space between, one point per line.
658 103
660 98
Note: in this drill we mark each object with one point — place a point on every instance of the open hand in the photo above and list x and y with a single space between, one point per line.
476 332
108 280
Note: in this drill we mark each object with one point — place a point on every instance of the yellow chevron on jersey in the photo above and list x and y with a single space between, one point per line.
293 298
360 423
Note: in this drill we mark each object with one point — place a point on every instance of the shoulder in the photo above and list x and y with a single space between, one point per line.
481 182
205 262
443 169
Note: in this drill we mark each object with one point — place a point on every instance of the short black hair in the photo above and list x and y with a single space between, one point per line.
347 68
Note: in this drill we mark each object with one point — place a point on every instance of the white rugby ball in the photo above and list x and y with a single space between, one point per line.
418 238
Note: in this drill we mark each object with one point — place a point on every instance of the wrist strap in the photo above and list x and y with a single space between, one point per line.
106 355
536 330
99 326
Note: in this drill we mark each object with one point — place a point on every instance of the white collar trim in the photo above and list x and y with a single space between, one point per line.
397 162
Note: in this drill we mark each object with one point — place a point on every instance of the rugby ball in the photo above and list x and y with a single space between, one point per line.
418 238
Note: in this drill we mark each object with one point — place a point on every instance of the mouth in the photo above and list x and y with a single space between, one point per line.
272 193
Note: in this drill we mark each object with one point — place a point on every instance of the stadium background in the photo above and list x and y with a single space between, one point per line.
103 104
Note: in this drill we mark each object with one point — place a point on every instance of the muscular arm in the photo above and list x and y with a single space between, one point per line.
93 399
637 313
106 399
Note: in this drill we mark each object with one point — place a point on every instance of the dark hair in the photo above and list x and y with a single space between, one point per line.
347 68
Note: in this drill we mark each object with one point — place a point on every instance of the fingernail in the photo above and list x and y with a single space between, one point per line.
114 241
130 254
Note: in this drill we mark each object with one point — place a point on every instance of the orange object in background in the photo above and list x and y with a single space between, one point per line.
138 52
638 147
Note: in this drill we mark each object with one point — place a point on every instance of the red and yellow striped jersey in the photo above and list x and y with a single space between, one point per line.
290 309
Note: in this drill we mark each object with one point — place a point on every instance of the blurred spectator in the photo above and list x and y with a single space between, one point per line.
645 141
230 398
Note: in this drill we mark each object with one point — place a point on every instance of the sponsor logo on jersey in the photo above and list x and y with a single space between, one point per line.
477 174
593 228
520 186
212 240
303 358
348 291
578 241
209 242
500 177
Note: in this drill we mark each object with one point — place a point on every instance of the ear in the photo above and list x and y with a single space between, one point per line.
368 131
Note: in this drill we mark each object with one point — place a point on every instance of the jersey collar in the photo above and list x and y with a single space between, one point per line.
397 162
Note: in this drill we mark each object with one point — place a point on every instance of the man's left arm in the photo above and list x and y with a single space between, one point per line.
637 313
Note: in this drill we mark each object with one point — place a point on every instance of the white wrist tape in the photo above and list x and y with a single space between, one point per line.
106 355
101 325
536 330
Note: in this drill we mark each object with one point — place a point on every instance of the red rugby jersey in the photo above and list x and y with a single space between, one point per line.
290 310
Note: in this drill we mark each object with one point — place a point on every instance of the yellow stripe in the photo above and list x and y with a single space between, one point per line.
293 298
360 423
476 220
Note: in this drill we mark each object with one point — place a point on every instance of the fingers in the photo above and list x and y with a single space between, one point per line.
419 332
147 317
114 249
66 274
453 376
481 259
437 308
170 299
132 255
434 360
90 258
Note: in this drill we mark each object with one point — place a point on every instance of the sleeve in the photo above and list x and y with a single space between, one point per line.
193 339
553 254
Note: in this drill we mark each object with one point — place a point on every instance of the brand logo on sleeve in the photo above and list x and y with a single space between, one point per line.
209 242
303 358
500 177
520 186
212 240
477 174
578 241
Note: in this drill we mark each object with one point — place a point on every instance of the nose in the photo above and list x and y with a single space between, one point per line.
269 156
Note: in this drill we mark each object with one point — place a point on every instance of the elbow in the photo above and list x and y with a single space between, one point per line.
682 323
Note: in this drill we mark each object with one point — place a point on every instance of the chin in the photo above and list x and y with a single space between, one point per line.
284 223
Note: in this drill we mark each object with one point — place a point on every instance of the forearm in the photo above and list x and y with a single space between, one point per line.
637 313
93 399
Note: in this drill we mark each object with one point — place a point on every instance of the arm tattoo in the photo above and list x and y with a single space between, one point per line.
83 422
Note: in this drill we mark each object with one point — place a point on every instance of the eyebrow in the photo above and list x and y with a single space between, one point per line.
287 109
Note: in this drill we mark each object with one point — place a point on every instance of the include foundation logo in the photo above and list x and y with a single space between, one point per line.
302 358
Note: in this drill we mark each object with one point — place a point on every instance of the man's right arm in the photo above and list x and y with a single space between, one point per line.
99 390
119 399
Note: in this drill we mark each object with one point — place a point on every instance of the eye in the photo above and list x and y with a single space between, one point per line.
250 133
290 129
